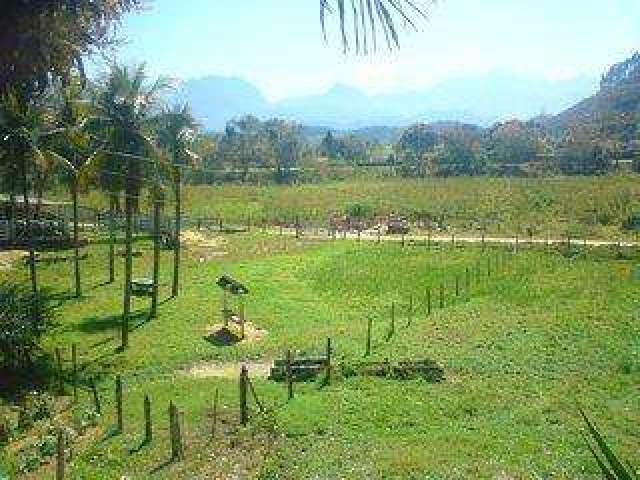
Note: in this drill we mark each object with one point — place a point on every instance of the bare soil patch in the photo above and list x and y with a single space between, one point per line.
228 369
8 258
222 336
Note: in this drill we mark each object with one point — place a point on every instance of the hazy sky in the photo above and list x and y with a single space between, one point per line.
278 46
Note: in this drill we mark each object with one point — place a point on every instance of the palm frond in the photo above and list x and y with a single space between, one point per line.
359 21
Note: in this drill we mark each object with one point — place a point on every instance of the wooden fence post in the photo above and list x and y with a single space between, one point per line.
410 316
488 266
96 397
368 344
60 460
60 374
392 328
467 278
119 415
328 375
442 295
428 301
74 378
175 435
457 286
244 410
379 235
215 414
289 376
148 426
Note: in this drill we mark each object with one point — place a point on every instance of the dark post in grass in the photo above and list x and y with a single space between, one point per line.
488 266
428 301
175 434
96 397
467 280
403 239
176 249
442 295
148 426
410 311
392 327
289 376
483 240
457 286
368 344
119 415
60 375
215 414
328 375
156 257
244 410
74 378
60 455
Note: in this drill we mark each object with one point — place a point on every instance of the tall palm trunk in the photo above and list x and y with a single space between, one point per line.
176 247
29 231
156 255
13 210
76 236
112 240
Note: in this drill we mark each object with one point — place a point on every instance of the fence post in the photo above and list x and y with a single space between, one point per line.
428 301
74 378
379 234
328 377
457 286
442 295
467 275
59 368
410 316
488 266
368 347
244 411
119 404
289 376
148 427
453 239
60 455
96 397
392 328
215 414
429 239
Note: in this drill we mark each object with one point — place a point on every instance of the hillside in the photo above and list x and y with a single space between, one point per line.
619 95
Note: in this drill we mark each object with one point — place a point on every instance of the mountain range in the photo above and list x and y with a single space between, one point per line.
478 99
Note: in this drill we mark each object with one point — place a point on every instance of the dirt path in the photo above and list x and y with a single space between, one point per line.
229 370
372 236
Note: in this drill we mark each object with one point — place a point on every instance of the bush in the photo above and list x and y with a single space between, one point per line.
24 319
36 406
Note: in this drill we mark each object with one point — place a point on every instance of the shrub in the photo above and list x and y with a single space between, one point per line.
24 319
35 406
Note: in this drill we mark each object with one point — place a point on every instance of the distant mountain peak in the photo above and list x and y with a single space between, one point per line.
622 73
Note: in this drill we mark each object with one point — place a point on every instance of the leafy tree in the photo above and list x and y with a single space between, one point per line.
286 144
24 318
128 107
416 149
512 143
44 39
459 153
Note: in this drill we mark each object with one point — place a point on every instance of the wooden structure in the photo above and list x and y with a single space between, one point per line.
142 287
397 225
232 289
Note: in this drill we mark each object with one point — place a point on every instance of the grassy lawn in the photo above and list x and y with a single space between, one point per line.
519 348
580 206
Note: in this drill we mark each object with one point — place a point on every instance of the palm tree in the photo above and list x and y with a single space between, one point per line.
23 129
176 135
72 149
127 106
364 20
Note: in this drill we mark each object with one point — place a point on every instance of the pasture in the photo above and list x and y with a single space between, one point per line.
530 335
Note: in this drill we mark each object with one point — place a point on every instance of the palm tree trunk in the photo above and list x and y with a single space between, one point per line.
112 240
76 239
156 255
12 210
176 247
28 230
128 266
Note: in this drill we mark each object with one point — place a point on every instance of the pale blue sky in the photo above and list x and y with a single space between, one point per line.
278 46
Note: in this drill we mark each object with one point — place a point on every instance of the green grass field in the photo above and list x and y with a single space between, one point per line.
595 207
521 349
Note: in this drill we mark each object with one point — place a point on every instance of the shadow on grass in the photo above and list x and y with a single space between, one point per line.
162 466
139 448
111 322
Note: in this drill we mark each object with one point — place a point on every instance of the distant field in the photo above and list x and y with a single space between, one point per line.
533 336
578 206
